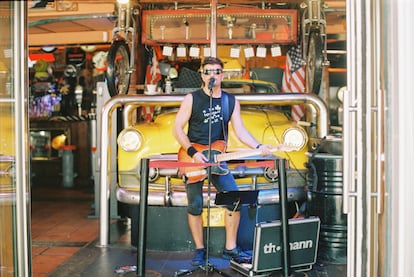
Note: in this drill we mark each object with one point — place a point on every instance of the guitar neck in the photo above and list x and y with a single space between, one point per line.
252 152
236 155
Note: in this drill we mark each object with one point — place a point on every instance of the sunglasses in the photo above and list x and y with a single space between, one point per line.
216 71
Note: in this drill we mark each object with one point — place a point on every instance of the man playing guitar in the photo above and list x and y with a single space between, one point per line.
195 111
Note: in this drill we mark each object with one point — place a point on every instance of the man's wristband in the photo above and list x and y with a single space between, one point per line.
191 151
258 146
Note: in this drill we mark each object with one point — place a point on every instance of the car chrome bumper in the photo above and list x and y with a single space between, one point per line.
179 198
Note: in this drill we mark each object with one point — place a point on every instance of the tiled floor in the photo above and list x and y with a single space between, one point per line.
65 239
60 226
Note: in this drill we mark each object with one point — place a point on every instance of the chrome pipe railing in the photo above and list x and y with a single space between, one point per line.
316 103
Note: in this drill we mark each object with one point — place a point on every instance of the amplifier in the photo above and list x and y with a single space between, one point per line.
267 247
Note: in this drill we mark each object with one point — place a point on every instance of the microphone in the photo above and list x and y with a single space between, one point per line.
211 83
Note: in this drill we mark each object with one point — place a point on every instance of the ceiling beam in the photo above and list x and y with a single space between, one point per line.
88 37
330 3
82 9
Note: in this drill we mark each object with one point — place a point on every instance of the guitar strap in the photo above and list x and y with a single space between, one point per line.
226 113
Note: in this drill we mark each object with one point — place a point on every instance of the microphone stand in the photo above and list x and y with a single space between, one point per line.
210 86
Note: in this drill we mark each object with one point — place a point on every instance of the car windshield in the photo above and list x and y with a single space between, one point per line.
250 86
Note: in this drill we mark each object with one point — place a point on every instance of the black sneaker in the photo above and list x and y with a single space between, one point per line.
199 257
235 253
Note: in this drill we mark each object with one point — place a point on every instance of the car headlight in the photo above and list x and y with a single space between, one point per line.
129 140
294 137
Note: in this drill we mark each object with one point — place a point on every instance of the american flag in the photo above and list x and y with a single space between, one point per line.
294 79
152 76
153 73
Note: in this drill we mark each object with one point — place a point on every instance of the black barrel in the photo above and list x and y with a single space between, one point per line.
326 186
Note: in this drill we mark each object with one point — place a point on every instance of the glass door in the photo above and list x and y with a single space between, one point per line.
364 141
15 254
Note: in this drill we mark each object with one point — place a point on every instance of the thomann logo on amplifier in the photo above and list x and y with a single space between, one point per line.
303 242
270 248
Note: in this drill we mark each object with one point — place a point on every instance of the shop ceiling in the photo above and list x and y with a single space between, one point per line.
86 22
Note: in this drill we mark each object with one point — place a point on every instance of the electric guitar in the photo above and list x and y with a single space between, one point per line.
199 173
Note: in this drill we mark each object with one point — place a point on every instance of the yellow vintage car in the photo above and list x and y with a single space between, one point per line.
263 110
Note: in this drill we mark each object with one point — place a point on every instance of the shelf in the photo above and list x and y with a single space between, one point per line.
234 26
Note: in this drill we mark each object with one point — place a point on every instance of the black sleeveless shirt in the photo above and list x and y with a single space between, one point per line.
198 124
